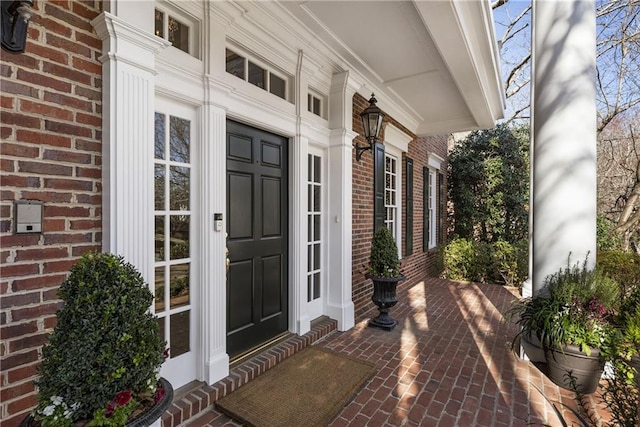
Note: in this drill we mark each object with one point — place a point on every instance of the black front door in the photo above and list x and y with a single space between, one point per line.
257 237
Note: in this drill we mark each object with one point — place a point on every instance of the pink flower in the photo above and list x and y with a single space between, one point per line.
110 408
159 395
123 398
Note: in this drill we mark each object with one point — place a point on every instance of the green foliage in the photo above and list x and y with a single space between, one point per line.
499 262
624 267
606 238
621 391
106 341
384 255
576 306
489 185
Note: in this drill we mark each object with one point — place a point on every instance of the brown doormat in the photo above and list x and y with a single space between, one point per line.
307 389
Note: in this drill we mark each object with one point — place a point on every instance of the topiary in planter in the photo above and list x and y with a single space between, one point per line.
384 255
106 347
384 272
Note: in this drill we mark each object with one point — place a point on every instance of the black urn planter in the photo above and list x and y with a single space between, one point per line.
384 296
571 368
143 420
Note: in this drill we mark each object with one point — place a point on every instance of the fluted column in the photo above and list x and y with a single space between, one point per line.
127 137
339 299
213 271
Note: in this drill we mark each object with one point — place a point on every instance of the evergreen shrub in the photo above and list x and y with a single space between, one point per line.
106 344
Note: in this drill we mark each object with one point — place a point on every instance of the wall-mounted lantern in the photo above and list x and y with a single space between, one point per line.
15 21
372 117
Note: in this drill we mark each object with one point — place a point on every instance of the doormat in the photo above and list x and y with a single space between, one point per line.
307 389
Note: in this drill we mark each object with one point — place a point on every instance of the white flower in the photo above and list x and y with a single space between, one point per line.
57 400
48 410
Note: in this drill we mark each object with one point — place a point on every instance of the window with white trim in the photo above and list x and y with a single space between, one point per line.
431 205
178 28
257 73
314 230
172 241
391 194
316 103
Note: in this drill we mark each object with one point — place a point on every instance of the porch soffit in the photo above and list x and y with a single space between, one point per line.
435 60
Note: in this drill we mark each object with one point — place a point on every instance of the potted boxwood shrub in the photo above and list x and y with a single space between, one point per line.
573 318
384 272
101 364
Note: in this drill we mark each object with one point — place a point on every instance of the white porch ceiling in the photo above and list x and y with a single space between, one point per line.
435 60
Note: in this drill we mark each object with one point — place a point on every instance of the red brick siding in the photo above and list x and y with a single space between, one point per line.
51 152
419 264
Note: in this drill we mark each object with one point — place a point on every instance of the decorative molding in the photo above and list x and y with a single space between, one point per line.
396 138
435 161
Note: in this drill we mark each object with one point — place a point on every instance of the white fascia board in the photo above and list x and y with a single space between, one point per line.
476 73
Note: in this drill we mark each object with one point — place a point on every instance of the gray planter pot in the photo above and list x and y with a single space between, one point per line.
572 369
532 348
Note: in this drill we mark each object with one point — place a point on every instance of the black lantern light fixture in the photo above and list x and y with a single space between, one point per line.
372 117
15 21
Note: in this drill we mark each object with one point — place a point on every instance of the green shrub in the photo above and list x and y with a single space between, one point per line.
623 267
459 256
105 342
499 262
606 238
384 255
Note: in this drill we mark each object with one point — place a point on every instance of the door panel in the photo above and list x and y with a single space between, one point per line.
257 237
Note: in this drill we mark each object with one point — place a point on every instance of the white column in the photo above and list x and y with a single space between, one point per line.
298 153
128 138
339 298
564 136
212 254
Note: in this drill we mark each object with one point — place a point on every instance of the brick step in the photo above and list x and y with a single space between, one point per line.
196 401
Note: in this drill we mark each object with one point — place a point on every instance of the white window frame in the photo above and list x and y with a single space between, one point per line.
268 67
431 205
434 164
174 367
396 142
395 155
187 20
315 307
314 94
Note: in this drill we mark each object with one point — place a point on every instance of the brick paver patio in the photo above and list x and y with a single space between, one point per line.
447 363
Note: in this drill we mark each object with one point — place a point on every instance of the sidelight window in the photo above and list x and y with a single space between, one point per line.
314 227
172 188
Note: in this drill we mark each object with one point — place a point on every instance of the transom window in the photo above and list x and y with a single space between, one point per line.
177 29
316 103
172 181
314 231
256 74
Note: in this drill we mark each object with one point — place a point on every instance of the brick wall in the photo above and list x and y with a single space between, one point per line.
419 264
51 152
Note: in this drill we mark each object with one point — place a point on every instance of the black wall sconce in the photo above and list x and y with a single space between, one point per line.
372 117
15 21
